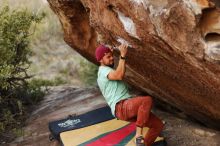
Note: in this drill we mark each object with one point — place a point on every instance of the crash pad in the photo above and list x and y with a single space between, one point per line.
96 128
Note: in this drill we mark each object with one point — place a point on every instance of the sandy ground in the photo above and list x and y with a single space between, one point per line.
67 100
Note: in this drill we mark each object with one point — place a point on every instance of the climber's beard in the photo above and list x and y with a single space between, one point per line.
108 61
111 65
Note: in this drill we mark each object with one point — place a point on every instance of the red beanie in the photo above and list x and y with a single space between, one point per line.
100 52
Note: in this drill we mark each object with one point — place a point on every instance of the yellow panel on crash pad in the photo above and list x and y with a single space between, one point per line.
82 135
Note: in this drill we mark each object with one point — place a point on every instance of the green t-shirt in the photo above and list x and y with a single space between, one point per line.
112 90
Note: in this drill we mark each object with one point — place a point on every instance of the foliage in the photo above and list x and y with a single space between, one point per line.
42 82
88 72
15 90
14 46
20 33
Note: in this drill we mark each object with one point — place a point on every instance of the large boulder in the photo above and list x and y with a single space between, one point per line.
174 52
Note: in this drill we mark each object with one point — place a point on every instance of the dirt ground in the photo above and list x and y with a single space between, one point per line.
67 100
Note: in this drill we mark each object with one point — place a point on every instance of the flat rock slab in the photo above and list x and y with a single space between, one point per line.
67 100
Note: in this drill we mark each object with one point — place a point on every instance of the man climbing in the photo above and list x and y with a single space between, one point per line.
123 106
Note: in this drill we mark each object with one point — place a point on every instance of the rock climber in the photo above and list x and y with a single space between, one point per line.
123 106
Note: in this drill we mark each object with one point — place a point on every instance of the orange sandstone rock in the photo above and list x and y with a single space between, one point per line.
170 56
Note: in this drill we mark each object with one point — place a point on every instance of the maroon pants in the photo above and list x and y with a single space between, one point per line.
138 109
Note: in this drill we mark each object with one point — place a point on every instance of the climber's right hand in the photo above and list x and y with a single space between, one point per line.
123 48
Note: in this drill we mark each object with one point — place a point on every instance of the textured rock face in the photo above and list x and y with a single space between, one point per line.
174 51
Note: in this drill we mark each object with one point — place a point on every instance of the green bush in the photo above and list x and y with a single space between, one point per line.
15 90
14 46
88 72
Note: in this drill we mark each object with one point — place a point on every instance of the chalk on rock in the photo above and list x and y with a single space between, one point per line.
123 41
